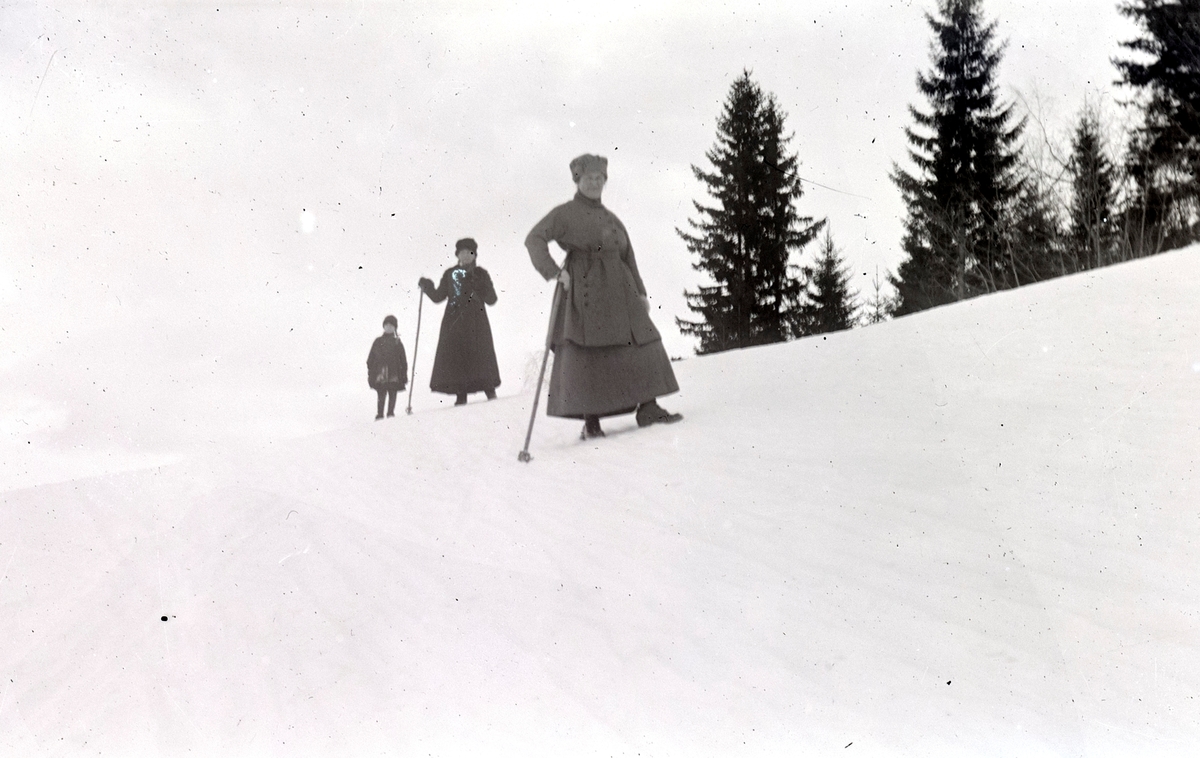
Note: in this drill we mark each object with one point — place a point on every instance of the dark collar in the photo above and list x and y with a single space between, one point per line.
580 197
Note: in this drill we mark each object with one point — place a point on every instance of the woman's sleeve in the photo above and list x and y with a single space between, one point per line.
443 289
631 261
538 244
486 289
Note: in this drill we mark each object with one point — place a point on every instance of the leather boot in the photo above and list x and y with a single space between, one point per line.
591 428
653 413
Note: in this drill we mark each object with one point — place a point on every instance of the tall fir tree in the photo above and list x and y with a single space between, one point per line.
1164 152
966 162
831 305
1092 236
744 241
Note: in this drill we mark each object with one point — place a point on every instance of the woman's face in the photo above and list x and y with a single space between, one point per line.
591 184
465 257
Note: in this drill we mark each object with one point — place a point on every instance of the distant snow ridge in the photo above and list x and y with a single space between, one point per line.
967 532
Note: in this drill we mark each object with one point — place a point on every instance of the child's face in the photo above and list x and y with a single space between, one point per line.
465 256
388 328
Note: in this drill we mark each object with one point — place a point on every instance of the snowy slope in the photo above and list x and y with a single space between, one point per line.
967 532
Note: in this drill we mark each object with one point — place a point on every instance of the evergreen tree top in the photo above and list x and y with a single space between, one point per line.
1171 69
1171 40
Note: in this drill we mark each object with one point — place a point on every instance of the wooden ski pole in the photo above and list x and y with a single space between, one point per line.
416 343
524 456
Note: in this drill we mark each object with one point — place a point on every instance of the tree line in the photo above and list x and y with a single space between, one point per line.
981 214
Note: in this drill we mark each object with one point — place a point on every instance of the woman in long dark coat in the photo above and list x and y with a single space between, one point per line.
608 356
465 361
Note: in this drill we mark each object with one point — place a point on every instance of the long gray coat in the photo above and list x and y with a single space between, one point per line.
603 306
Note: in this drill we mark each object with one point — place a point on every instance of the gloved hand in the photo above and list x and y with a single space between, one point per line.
645 302
564 277
425 284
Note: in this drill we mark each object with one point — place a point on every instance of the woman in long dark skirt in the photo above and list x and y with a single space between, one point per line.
608 356
465 361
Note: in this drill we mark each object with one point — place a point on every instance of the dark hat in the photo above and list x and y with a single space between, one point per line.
389 320
588 162
466 243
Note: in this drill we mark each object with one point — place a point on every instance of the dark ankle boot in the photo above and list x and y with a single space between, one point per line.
460 398
653 413
591 428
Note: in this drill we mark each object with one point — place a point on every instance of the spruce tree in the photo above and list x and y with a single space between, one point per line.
744 241
1092 235
831 305
965 155
879 307
1035 248
1164 152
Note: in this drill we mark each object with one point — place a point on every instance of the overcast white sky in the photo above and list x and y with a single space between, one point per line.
250 187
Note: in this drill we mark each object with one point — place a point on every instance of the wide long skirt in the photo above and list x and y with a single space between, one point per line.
465 360
608 380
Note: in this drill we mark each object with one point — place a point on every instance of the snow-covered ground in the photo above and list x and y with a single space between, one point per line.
968 532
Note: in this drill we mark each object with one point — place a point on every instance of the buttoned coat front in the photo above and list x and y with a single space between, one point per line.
603 306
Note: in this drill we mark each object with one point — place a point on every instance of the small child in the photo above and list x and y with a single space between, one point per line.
387 367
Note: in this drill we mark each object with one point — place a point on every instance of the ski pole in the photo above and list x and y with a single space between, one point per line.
524 456
416 344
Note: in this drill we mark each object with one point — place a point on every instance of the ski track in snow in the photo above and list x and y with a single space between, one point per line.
966 532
